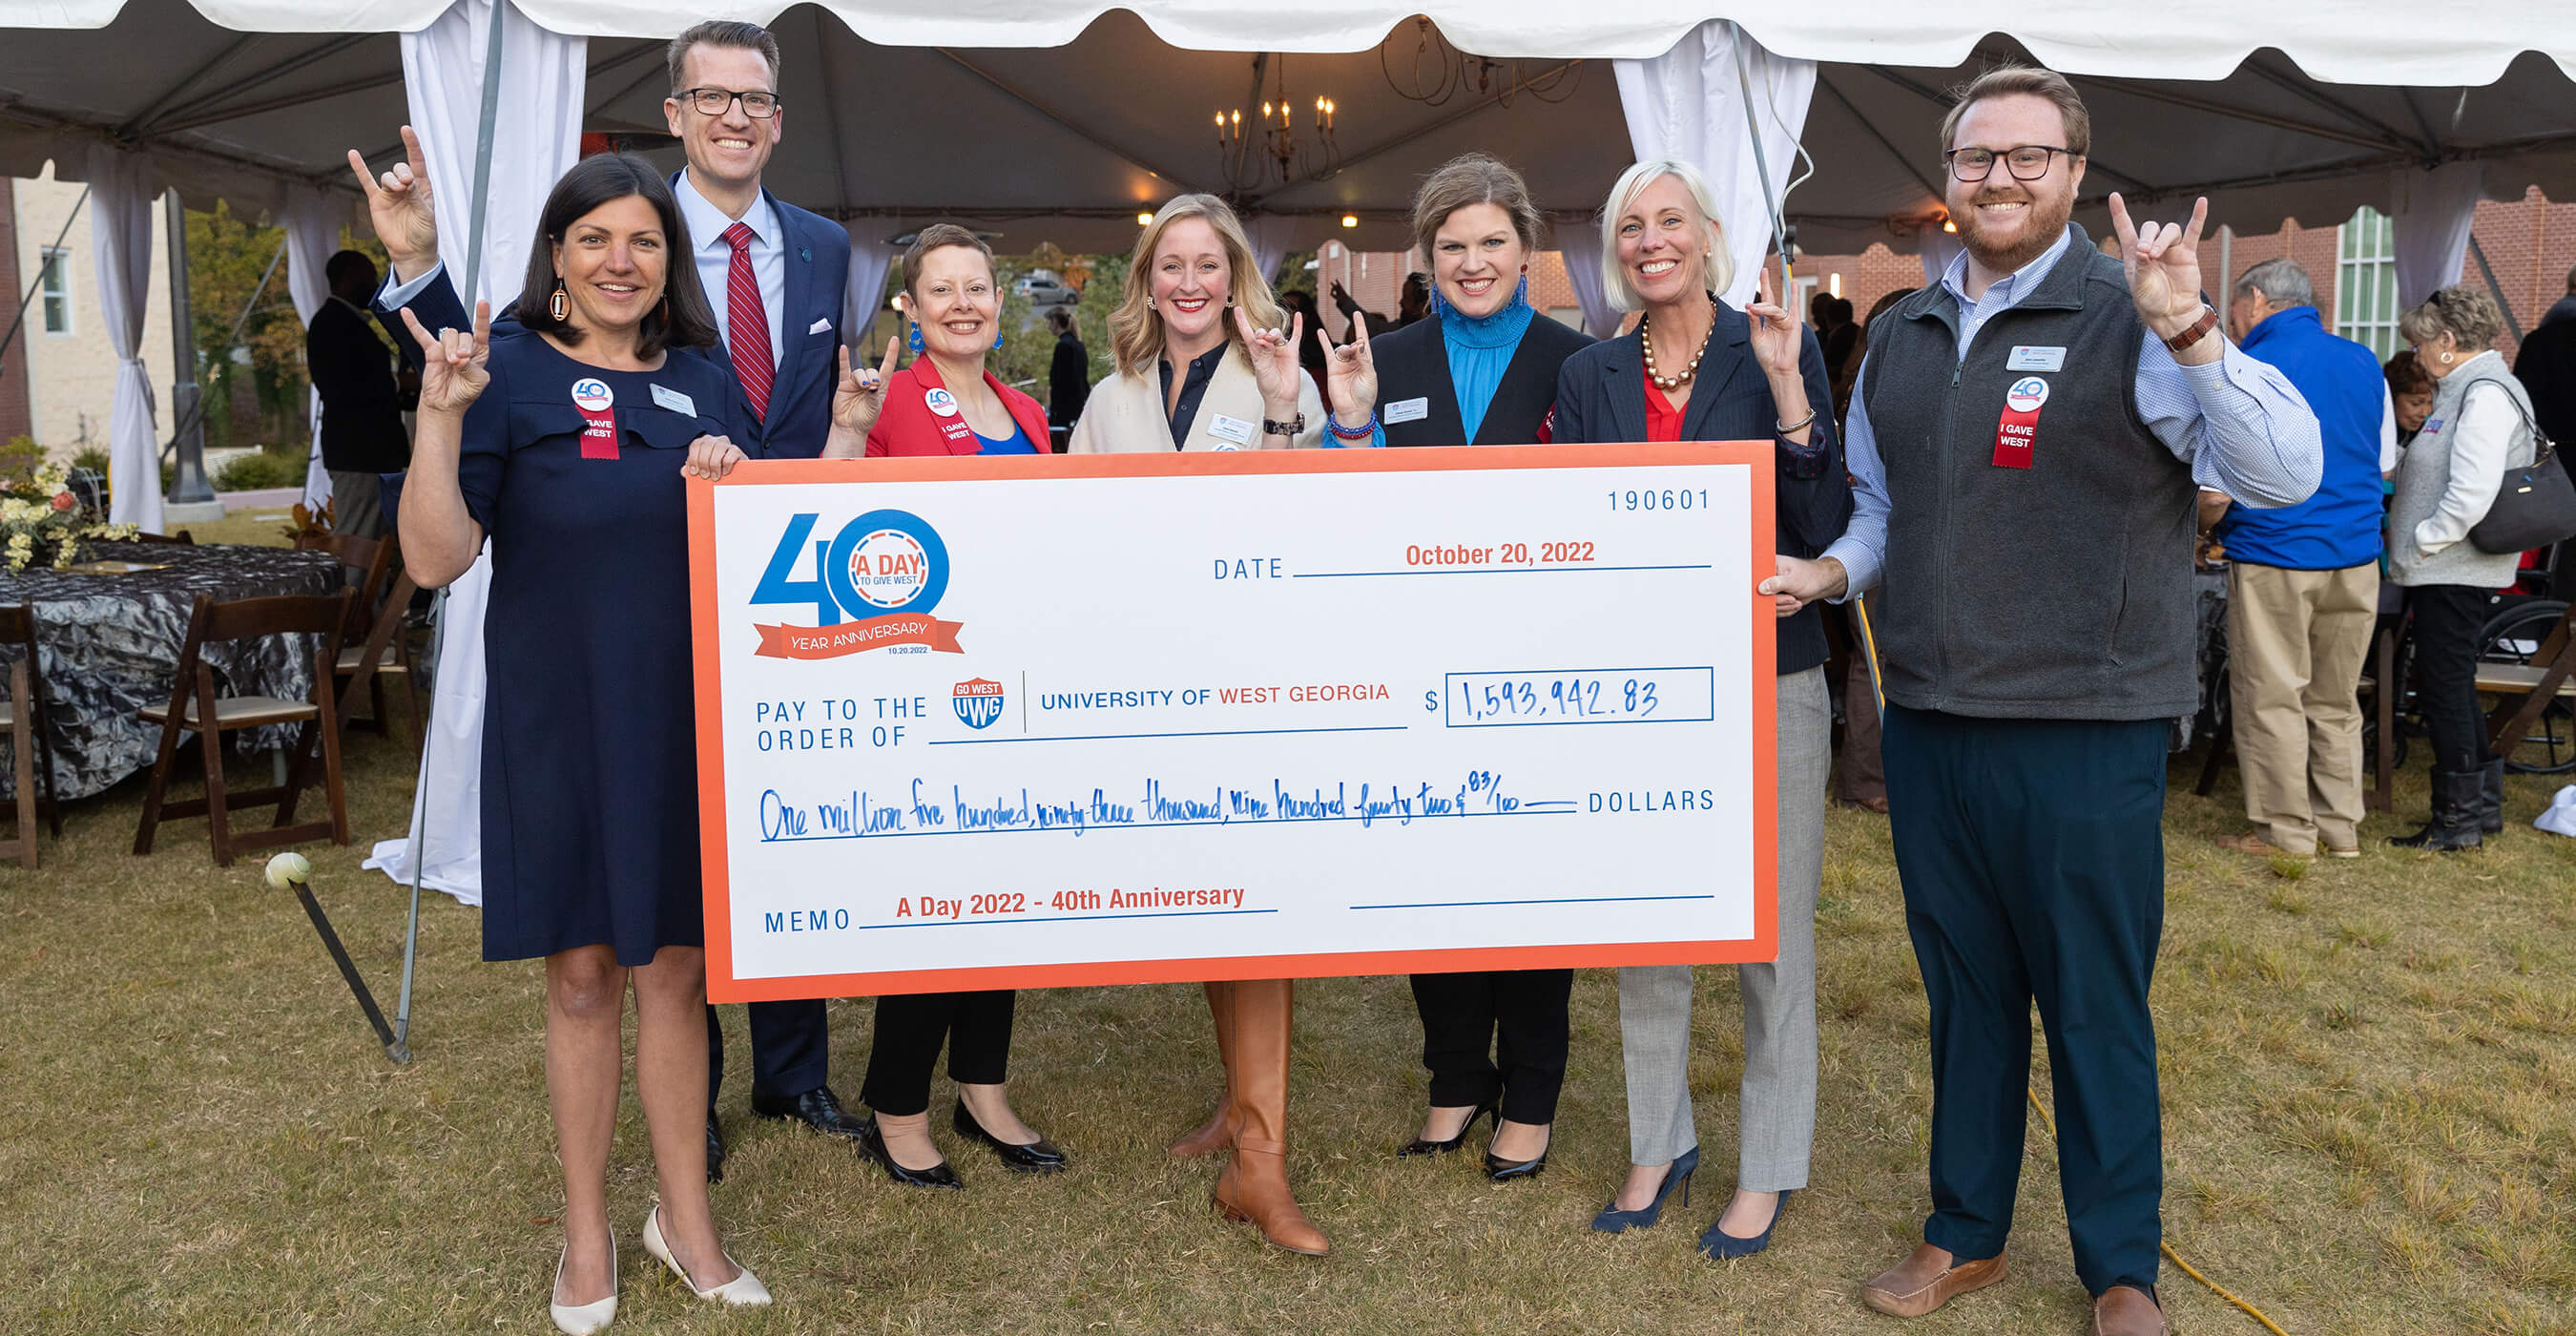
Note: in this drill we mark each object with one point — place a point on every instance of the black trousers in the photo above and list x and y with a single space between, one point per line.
1492 1035
2447 621
791 1049
911 1027
2032 855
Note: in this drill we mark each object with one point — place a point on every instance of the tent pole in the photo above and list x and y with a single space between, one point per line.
2480 254
1753 127
187 406
483 152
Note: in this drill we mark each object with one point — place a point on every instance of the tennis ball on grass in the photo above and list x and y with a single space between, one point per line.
289 869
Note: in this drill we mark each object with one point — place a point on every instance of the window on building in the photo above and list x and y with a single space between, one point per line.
2366 283
57 285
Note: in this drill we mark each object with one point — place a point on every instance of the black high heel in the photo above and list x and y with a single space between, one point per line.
1490 1109
1504 1171
872 1144
1037 1157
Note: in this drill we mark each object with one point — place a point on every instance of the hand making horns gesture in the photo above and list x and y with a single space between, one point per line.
1350 373
2162 261
1777 336
1274 361
859 396
398 205
453 362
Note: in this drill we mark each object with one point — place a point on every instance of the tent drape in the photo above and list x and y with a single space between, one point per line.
1688 104
2431 226
122 191
312 234
538 139
1580 245
870 262
1269 235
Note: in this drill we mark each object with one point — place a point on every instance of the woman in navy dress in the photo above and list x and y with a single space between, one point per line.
565 434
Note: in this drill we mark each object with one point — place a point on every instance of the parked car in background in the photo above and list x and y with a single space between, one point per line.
1044 288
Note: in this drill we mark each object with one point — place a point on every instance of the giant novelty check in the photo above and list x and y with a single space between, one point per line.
989 723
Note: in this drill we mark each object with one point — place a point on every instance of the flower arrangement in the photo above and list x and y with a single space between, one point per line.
44 521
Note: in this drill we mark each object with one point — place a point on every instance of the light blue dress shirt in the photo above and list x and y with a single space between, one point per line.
2238 422
714 255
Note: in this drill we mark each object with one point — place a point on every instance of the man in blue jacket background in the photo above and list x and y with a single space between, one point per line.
2303 582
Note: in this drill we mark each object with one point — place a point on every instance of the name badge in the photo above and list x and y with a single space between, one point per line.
598 407
675 401
1230 429
2018 433
1406 410
2036 359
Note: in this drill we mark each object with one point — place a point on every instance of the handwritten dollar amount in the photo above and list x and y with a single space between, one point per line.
1576 696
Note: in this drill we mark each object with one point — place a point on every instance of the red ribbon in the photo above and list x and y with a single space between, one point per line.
832 642
599 438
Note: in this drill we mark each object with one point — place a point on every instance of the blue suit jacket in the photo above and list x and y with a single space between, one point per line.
800 398
1601 396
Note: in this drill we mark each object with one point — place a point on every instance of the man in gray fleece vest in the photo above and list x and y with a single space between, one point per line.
2024 451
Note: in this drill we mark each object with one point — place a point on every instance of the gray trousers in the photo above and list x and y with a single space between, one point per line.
1777 1100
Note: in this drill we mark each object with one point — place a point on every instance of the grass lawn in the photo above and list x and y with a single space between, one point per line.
2369 1082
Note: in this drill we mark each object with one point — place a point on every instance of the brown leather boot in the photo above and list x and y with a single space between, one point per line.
1217 1132
1254 1187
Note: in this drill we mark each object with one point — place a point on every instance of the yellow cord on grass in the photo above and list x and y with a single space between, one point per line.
1869 655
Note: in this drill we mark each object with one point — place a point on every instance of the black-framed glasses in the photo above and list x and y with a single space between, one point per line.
2029 162
757 105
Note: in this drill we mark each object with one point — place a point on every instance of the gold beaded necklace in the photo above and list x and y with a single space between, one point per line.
1646 336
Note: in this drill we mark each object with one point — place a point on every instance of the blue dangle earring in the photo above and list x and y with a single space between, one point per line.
914 342
1522 295
1439 306
997 340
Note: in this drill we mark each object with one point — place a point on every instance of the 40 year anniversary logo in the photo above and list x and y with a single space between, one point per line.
874 585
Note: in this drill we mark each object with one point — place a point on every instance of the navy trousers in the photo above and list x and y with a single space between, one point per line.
790 1049
2032 853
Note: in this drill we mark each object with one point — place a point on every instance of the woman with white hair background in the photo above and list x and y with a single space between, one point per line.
1697 369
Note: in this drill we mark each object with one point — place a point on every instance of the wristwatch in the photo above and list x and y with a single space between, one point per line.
1289 428
2199 329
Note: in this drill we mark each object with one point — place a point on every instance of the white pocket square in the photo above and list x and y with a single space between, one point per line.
819 327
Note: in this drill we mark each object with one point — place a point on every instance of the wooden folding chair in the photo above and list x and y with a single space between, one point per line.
371 558
23 717
195 708
385 654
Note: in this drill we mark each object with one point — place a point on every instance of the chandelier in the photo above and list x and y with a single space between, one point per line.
1435 71
1272 145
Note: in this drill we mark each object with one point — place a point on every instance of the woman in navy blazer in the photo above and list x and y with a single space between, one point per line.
1697 369
1481 371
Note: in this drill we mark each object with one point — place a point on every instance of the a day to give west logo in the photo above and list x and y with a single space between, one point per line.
873 586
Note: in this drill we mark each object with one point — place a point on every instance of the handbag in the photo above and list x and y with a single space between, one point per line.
2536 505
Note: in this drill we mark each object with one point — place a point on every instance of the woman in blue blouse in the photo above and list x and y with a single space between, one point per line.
1483 372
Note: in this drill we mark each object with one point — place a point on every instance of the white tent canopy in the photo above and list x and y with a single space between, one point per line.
1059 126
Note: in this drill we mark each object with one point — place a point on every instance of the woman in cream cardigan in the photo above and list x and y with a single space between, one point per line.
1204 363
1206 358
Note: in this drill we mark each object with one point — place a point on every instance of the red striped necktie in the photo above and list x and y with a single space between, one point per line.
747 323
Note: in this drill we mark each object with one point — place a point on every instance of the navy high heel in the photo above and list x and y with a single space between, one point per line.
1612 1220
1718 1246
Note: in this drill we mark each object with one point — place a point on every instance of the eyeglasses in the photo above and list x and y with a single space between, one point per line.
2027 163
715 101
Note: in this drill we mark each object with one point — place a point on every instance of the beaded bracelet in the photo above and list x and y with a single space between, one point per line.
1364 432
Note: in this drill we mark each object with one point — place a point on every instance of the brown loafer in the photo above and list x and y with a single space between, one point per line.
2125 1310
1927 1280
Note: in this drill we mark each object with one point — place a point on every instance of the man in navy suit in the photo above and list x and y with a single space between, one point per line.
774 274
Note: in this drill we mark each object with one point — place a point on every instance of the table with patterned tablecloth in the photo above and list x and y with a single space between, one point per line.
108 645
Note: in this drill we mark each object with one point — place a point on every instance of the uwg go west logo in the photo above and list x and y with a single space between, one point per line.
979 701
874 585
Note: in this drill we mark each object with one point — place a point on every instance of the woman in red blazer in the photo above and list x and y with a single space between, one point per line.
946 403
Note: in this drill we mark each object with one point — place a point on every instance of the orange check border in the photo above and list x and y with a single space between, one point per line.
722 986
